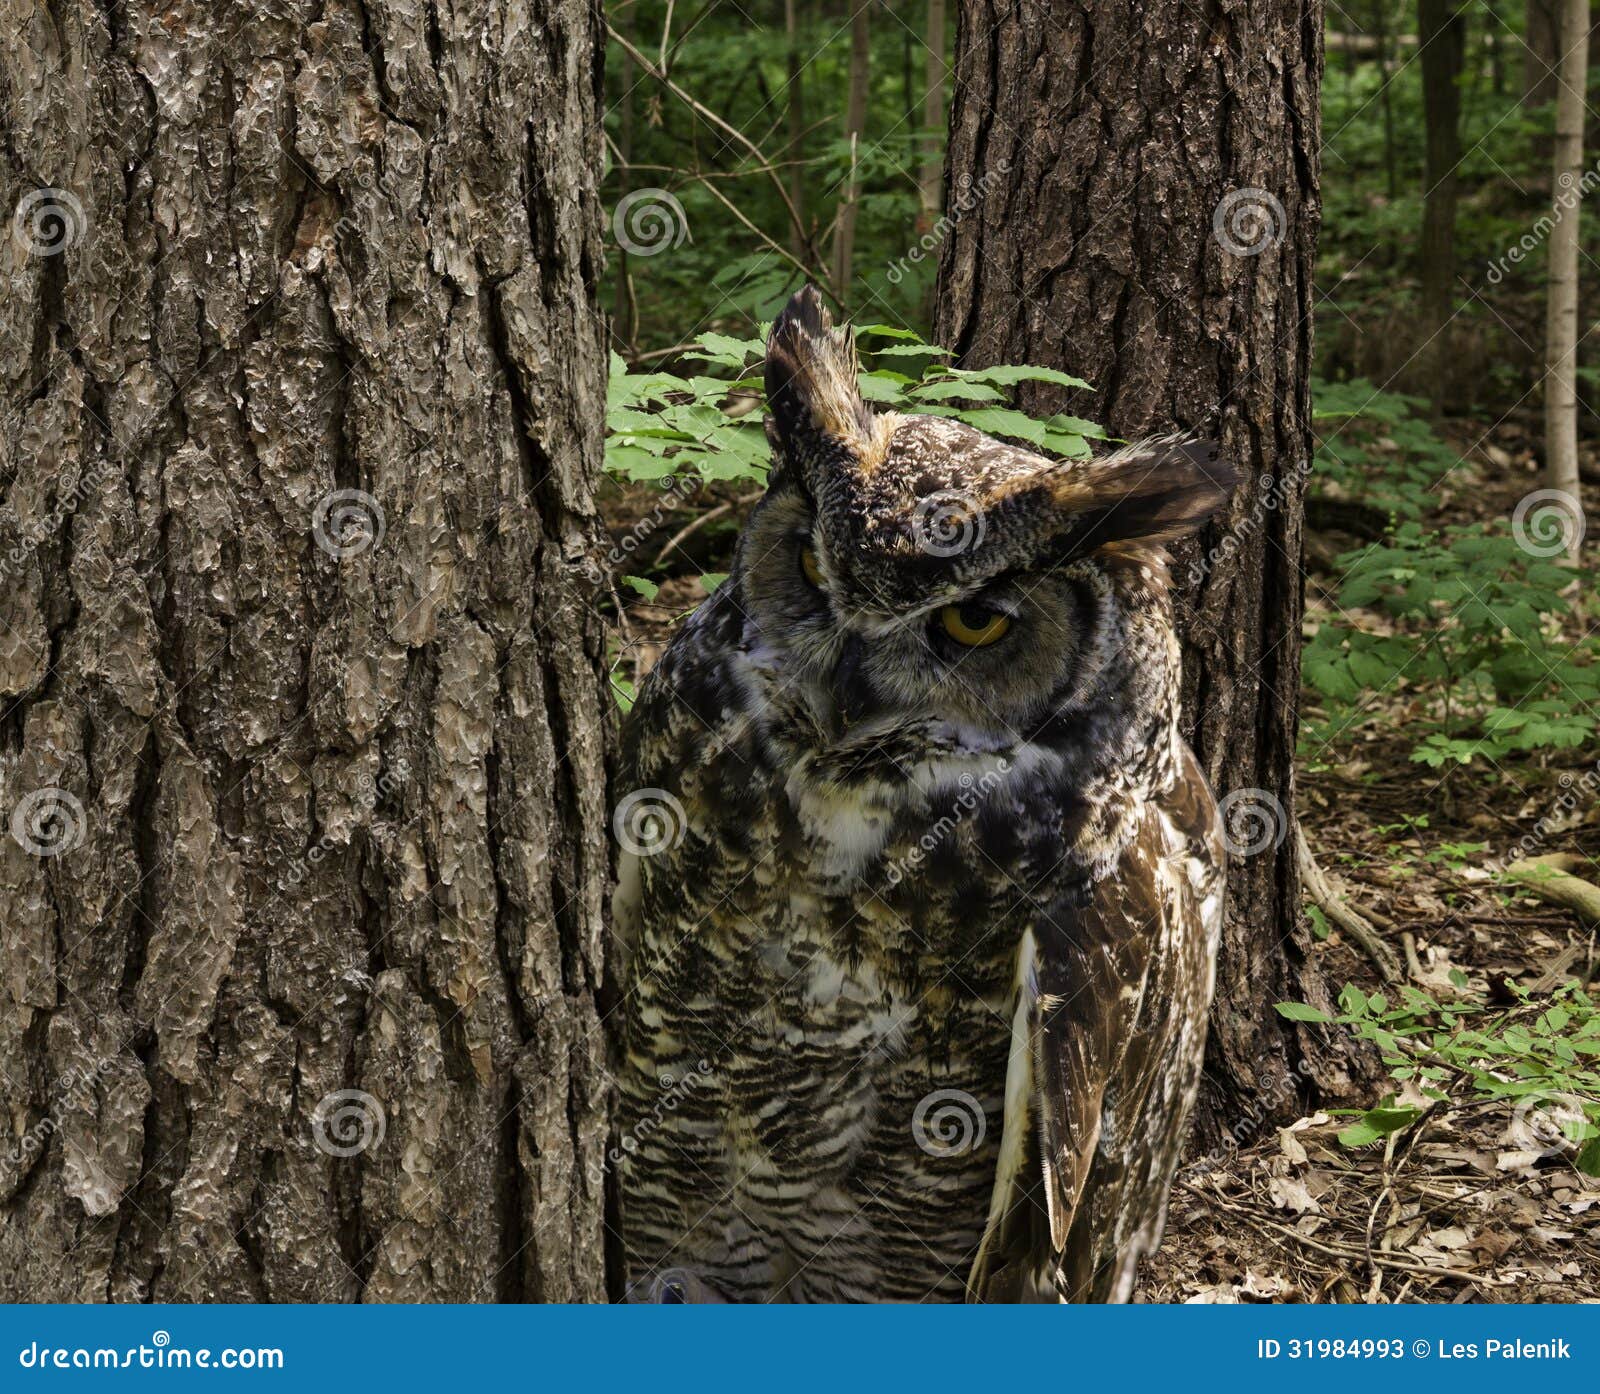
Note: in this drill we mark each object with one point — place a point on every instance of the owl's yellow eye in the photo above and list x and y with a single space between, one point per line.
973 626
809 568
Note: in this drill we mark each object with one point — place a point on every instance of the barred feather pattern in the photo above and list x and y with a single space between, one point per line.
913 988
814 974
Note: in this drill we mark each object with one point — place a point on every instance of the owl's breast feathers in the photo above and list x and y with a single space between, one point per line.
836 936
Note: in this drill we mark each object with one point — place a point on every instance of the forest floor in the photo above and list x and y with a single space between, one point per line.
1470 1202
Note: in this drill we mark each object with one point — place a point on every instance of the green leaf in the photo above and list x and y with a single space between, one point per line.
1299 1011
946 389
648 589
1361 1134
1588 1160
887 331
1002 421
1010 374
711 580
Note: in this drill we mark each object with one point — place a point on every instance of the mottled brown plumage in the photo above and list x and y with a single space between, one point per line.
917 927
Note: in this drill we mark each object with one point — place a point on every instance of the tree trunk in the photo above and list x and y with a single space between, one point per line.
1442 30
1496 32
800 242
855 125
1380 24
1540 55
1157 236
302 762
930 177
1561 328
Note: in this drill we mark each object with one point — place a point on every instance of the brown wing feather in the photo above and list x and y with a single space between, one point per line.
1115 1000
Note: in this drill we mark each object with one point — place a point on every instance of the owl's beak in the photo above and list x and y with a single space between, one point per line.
852 695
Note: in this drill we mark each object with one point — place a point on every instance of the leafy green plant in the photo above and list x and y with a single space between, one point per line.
709 424
1469 616
1542 1056
1377 447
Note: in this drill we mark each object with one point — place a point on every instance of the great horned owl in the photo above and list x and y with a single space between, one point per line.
922 887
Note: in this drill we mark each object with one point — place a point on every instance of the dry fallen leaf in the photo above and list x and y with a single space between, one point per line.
1290 1193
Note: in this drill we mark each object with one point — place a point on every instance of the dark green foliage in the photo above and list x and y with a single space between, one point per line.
1540 1056
709 425
1465 616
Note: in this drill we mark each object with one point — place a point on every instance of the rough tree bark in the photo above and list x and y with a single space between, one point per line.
1146 217
301 757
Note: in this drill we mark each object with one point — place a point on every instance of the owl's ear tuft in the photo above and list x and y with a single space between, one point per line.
811 383
1156 491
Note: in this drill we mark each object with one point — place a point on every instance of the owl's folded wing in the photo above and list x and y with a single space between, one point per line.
1083 1061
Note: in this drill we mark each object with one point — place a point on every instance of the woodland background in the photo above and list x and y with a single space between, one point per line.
381 384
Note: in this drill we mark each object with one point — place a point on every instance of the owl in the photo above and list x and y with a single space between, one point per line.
921 888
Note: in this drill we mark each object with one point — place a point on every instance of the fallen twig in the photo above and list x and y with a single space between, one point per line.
694 525
1319 888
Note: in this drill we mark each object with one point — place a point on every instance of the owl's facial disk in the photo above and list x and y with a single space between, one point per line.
992 658
911 569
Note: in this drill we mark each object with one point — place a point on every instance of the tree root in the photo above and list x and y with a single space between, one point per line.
1333 903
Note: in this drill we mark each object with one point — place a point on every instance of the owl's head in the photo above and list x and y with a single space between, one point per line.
910 567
